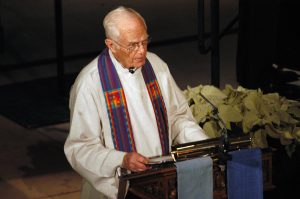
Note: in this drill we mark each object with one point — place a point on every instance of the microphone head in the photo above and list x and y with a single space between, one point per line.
132 70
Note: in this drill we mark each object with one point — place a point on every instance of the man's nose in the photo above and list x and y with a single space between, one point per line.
142 48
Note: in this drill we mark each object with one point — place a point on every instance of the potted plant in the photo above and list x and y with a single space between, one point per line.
247 111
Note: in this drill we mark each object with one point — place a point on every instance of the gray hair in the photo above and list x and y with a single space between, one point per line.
111 20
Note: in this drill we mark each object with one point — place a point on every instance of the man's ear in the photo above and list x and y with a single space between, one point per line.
110 44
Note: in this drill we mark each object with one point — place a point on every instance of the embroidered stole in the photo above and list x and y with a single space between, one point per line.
116 105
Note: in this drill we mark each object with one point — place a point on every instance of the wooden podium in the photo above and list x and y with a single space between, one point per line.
160 182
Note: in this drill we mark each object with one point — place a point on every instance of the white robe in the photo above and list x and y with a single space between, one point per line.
89 147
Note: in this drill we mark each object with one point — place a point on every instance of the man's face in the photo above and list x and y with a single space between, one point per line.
130 48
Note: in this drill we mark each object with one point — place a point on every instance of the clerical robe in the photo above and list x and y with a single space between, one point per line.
89 147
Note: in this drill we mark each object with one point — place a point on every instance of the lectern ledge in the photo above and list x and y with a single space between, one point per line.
160 181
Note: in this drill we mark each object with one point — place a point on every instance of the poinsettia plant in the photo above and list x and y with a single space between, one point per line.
247 111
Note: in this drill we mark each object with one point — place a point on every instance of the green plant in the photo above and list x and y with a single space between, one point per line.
247 111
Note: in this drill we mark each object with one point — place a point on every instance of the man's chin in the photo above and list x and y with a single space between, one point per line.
139 64
139 61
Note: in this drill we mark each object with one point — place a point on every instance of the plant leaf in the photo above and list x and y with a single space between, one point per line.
211 129
272 132
259 139
215 95
229 114
290 149
250 120
287 118
201 112
284 141
296 133
294 110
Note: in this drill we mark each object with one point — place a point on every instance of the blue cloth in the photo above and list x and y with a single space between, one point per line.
244 175
195 178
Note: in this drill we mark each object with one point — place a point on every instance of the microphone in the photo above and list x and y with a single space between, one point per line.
224 132
132 69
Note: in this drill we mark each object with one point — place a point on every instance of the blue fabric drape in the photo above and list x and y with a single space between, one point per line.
195 178
244 175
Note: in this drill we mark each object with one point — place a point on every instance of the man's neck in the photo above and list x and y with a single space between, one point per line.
131 69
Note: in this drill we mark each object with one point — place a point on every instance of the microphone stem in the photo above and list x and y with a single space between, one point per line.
224 132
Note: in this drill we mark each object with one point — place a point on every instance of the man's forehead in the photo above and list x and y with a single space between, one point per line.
133 34
133 38
130 21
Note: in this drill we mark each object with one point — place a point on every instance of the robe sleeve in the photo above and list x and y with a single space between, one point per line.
184 128
85 147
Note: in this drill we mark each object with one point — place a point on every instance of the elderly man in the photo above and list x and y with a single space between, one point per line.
125 107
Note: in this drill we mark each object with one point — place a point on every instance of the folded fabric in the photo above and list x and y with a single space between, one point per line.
244 175
195 178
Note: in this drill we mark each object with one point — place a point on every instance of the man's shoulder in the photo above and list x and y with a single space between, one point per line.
88 73
90 67
156 62
153 56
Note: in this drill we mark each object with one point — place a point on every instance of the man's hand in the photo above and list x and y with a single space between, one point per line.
135 162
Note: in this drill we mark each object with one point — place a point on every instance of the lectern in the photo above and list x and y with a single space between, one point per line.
160 182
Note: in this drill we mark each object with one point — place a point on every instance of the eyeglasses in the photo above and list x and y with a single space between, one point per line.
134 46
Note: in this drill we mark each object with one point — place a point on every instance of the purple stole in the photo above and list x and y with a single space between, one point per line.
116 105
